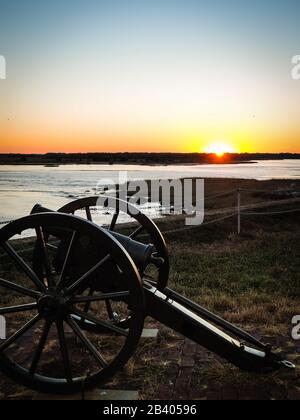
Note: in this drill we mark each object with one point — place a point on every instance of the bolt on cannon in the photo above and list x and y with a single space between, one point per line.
78 296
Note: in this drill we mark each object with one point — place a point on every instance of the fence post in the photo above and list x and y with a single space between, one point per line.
239 210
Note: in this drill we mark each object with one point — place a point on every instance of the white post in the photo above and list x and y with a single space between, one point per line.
239 210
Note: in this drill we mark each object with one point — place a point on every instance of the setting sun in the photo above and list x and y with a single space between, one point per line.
219 149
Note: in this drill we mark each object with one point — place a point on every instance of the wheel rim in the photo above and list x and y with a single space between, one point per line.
45 308
145 227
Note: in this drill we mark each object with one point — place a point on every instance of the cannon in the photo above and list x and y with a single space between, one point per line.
75 296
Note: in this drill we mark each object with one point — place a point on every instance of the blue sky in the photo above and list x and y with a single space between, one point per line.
124 69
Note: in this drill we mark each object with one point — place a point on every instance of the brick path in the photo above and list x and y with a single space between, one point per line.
193 373
187 359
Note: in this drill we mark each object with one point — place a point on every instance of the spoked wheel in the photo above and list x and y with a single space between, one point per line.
45 304
135 224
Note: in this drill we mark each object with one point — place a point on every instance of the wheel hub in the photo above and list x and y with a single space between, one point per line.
52 307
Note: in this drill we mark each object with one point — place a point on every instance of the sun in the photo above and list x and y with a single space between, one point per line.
219 149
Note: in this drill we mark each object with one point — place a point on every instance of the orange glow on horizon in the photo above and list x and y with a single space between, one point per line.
220 149
39 138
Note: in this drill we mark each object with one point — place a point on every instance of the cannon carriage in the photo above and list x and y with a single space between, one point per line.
76 300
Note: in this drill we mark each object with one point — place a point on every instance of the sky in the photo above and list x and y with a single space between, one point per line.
149 76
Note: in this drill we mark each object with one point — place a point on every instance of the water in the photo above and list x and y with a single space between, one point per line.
21 187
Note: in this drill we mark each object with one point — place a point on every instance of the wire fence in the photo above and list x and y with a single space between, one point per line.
220 194
269 191
287 201
188 228
239 212
270 213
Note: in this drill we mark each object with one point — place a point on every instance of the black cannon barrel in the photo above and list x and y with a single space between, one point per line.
139 252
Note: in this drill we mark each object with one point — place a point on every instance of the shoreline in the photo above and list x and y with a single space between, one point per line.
215 162
140 158
154 165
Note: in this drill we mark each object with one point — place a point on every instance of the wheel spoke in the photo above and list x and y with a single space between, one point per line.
136 232
114 221
64 351
105 296
45 256
88 304
90 347
88 214
85 277
22 264
103 324
109 309
66 262
19 308
39 351
19 289
51 247
7 343
148 277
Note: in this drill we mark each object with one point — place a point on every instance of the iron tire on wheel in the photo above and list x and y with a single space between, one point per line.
66 385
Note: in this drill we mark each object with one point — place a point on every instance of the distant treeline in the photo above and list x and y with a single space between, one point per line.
137 158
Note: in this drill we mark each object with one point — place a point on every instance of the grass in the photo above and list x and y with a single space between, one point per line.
253 278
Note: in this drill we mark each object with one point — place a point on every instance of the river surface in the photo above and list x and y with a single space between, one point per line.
21 187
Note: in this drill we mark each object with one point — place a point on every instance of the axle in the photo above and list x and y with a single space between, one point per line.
182 315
